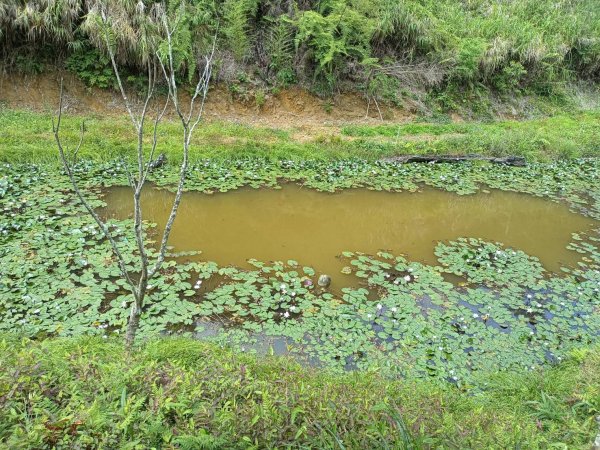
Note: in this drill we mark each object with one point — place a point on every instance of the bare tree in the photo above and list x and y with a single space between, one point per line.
162 62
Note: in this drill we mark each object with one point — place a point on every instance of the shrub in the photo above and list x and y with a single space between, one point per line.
93 67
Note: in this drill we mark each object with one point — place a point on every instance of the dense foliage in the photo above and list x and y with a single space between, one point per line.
384 47
179 393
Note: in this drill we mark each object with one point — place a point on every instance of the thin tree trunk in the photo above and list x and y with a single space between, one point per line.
146 269
132 327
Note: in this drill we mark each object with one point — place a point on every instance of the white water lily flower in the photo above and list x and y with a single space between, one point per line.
369 316
475 316
286 314
292 308
379 306
407 278
394 309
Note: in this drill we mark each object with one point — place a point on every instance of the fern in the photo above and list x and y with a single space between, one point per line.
280 47
237 14
202 441
342 35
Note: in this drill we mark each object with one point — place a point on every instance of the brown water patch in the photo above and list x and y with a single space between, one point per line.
313 227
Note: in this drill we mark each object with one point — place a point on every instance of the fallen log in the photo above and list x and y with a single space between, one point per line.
516 161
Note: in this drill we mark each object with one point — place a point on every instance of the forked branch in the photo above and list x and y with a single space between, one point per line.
145 271
69 170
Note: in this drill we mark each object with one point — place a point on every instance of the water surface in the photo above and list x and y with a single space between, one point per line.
313 227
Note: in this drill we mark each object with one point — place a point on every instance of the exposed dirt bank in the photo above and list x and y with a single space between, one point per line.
289 109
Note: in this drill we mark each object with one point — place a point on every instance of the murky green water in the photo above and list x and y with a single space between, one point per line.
314 227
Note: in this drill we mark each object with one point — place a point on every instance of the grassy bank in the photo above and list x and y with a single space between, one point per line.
26 137
187 394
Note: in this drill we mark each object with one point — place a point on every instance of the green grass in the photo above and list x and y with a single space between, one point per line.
562 136
26 137
411 129
181 393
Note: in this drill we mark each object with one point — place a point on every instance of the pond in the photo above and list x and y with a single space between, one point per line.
314 227
410 296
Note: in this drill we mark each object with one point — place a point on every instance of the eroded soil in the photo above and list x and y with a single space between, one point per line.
292 109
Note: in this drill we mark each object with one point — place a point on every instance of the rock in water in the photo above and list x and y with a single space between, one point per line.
324 280
158 162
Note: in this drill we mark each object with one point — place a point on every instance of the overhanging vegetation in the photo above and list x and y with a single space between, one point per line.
385 48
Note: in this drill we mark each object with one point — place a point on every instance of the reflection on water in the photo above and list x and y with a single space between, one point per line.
313 227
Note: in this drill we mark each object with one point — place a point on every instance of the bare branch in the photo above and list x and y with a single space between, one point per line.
87 206
140 152
201 88
81 133
146 270
130 179
425 73
205 79
170 77
202 85
116 69
157 120
172 215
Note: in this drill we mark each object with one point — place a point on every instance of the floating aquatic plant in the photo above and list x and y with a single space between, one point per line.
58 277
